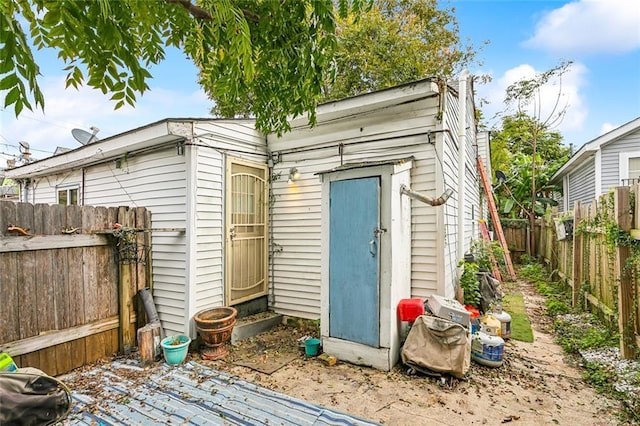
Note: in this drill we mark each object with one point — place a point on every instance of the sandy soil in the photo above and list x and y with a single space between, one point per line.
534 386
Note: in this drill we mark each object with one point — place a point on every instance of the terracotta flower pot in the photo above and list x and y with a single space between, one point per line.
214 325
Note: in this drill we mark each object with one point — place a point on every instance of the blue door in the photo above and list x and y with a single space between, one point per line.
354 305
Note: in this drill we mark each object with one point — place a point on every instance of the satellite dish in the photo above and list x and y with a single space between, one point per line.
502 178
84 137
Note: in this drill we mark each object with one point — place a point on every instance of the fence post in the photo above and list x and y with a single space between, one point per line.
577 255
625 287
125 340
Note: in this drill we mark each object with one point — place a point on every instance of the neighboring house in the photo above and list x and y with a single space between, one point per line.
8 189
316 223
607 161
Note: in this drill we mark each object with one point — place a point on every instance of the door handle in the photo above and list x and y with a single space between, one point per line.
372 248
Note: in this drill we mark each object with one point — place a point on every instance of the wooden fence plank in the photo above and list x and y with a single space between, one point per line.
94 343
626 288
40 242
25 219
125 294
9 307
37 343
141 273
8 216
577 255
27 295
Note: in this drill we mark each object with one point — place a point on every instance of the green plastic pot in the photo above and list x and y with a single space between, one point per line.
175 348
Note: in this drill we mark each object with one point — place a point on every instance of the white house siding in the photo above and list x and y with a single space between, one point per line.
155 180
611 156
212 142
391 133
581 183
451 180
472 176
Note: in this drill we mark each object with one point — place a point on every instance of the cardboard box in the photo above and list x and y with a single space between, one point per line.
449 309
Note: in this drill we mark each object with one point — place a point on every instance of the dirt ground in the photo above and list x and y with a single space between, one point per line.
534 386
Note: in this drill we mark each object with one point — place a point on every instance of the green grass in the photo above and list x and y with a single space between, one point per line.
513 303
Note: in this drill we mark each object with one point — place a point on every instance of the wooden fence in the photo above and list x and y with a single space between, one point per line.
599 259
67 289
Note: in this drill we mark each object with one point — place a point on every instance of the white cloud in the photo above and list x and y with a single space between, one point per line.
83 108
570 92
607 127
589 26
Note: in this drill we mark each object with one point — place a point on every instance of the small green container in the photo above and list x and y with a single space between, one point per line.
175 348
311 347
6 363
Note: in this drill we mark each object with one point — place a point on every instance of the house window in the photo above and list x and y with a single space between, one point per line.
634 168
68 196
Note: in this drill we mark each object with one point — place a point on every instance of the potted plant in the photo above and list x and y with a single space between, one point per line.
175 348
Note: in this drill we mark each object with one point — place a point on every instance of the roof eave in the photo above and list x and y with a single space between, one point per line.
98 152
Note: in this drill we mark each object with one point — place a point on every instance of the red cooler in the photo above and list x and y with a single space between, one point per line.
410 309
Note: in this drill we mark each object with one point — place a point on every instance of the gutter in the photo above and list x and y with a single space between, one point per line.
462 158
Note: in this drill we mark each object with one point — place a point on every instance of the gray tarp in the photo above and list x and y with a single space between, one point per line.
30 397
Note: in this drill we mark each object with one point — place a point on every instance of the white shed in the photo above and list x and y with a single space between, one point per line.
250 220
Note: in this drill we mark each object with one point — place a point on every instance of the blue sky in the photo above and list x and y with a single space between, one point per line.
601 90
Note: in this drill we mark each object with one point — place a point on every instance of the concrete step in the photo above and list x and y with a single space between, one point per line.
253 325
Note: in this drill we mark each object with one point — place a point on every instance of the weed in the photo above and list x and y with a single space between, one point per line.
556 307
576 333
602 379
470 283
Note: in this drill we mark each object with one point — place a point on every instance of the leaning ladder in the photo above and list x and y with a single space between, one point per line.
495 218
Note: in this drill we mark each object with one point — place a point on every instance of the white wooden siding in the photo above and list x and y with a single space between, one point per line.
472 176
212 140
450 180
582 183
610 159
394 132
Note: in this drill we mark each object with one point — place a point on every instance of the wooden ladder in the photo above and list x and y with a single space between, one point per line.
495 218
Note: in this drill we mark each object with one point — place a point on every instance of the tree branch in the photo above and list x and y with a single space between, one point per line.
195 11
200 13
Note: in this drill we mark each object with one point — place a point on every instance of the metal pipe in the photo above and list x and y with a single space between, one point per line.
425 198
149 305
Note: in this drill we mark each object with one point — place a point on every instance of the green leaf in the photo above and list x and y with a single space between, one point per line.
9 81
12 97
508 206
117 96
51 17
19 107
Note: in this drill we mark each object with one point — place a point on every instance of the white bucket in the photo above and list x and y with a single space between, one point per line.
505 323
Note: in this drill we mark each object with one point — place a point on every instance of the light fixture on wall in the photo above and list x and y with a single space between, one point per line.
294 174
180 148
